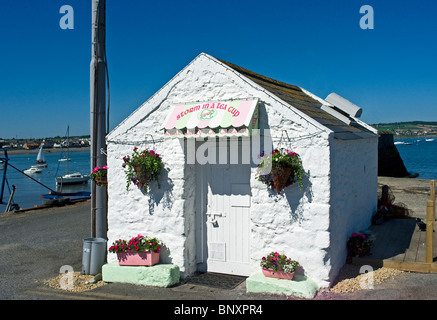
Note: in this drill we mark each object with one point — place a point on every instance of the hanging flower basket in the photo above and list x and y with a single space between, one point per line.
143 176
101 181
280 169
281 175
141 168
100 176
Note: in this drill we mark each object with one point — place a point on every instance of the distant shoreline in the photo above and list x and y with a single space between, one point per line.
414 137
48 150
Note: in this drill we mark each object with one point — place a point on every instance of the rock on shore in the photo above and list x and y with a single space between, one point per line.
390 163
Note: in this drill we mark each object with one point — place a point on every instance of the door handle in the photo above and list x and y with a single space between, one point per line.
218 214
212 217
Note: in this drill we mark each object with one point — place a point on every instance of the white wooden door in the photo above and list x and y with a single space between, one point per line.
223 215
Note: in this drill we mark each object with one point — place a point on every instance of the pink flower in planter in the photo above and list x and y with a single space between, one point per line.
278 262
136 244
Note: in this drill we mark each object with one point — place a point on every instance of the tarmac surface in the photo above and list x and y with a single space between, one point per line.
34 245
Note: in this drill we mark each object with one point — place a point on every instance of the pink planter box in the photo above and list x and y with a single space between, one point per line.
277 274
133 258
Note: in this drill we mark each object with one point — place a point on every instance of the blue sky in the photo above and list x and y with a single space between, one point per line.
390 71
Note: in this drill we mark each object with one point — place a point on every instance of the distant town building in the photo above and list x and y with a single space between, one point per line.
30 145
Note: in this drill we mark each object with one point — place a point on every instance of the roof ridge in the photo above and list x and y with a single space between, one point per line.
260 76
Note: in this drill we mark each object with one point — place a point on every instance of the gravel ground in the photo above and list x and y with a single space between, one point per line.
349 281
75 282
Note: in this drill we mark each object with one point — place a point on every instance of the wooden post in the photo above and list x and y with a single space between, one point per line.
432 190
430 218
429 230
384 196
8 207
432 196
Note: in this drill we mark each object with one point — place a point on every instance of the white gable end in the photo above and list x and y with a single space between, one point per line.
205 78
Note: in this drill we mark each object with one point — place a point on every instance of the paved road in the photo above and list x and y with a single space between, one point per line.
36 244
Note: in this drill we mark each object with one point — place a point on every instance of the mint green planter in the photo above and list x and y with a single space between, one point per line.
300 286
159 275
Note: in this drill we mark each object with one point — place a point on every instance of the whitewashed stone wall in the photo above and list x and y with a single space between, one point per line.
297 223
354 186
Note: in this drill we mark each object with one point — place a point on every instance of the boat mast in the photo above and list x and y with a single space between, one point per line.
98 115
4 161
68 148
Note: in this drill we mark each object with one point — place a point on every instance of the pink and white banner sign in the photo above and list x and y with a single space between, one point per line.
215 118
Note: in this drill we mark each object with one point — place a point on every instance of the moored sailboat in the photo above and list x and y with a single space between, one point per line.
40 159
70 178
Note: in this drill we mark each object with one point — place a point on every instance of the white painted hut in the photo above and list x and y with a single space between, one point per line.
215 215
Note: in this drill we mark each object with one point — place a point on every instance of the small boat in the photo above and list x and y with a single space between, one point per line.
40 160
406 143
33 170
63 198
67 145
52 200
72 178
429 139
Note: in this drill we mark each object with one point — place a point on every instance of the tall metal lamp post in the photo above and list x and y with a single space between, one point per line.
98 116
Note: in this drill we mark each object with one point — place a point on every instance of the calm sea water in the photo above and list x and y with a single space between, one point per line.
28 192
419 157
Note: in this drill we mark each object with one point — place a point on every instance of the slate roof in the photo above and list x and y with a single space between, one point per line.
297 98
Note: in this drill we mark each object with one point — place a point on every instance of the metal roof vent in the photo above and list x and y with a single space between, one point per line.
344 105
